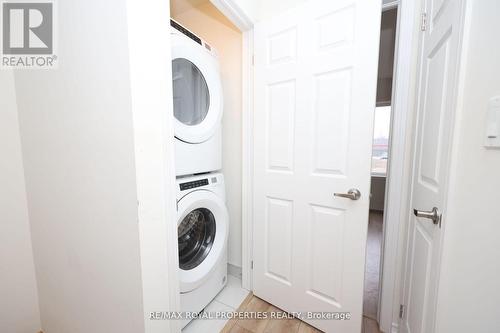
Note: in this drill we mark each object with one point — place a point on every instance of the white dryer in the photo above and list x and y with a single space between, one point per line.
202 228
198 103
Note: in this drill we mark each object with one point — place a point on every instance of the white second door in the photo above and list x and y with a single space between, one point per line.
315 85
436 103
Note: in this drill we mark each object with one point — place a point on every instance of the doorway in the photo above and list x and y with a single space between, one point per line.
381 159
380 163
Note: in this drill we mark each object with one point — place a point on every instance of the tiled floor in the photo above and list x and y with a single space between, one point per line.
228 300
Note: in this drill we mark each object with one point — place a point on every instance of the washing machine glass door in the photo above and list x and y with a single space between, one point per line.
202 231
196 234
191 95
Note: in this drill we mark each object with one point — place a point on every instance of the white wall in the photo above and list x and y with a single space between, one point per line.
207 22
78 148
469 285
152 109
18 291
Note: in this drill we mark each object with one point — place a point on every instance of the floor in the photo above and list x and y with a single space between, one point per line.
372 268
255 304
228 300
234 298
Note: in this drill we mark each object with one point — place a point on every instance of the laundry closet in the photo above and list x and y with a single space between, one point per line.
207 98
226 40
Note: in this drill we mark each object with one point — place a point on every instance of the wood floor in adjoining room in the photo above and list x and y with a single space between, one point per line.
372 265
269 325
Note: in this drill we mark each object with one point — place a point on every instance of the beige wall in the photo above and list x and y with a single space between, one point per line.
19 311
469 285
207 22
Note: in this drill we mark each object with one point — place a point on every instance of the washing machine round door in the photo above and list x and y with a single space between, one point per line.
202 231
197 91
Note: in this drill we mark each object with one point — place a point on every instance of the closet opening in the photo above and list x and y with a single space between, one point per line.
208 32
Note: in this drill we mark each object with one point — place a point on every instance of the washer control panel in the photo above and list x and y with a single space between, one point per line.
211 182
193 184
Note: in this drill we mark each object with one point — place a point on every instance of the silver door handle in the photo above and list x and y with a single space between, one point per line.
433 215
352 194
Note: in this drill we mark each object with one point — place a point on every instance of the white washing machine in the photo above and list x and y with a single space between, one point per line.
198 103
202 228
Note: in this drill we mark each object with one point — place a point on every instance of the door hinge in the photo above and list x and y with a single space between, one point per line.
401 311
253 59
423 21
251 264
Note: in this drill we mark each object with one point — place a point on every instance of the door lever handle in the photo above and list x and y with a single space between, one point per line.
352 194
432 215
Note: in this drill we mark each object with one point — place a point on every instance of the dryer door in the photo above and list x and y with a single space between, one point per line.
197 92
202 230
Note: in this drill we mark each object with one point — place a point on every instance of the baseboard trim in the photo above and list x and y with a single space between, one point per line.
234 270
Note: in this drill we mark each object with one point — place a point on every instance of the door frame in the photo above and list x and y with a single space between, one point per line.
247 160
398 181
153 134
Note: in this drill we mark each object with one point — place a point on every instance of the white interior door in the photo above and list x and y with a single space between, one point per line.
438 68
315 82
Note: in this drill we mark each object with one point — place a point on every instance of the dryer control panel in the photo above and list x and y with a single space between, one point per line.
185 31
193 37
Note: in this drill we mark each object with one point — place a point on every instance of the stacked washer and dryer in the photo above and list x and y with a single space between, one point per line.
202 220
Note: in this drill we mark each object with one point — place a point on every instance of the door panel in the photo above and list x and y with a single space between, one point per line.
325 245
315 81
280 132
331 129
283 46
422 250
434 107
279 230
438 67
336 27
